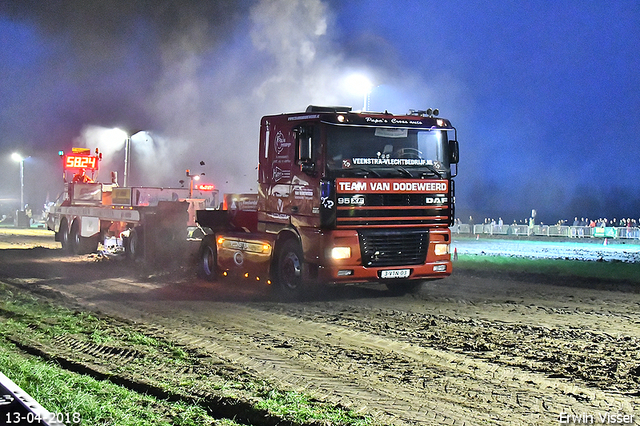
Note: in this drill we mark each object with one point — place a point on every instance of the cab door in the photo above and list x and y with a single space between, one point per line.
305 180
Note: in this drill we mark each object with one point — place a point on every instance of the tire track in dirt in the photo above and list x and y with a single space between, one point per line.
380 374
597 358
453 357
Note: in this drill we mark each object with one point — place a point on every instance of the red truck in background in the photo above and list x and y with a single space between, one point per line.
344 197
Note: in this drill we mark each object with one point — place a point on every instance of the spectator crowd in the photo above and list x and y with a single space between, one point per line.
583 221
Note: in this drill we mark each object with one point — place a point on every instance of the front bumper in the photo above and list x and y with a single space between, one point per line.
356 274
352 269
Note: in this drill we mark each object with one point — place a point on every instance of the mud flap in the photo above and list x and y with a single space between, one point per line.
90 226
165 235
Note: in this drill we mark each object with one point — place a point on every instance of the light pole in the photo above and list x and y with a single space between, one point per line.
127 150
192 178
17 157
127 155
119 135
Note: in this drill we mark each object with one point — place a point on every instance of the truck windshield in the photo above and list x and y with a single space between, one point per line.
377 148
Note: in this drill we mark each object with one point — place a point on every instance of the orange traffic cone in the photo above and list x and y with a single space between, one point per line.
455 253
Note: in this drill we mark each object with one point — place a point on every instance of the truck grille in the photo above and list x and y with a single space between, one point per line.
385 210
395 200
393 248
392 217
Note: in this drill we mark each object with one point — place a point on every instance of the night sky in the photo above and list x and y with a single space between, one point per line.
545 95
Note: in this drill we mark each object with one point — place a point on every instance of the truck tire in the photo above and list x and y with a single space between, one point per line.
74 237
79 244
134 247
289 266
63 236
402 287
208 258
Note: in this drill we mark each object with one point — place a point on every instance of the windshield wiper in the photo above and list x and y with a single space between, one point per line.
404 171
372 172
363 169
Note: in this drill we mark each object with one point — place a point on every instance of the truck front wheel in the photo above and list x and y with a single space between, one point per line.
208 268
289 270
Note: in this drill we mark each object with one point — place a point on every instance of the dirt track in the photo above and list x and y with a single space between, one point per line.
469 349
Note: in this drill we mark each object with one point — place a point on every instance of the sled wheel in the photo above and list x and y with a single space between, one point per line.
63 236
134 246
79 244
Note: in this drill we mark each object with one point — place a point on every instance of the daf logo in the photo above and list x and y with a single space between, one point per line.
436 200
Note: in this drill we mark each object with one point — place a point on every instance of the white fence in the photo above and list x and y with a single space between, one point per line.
548 231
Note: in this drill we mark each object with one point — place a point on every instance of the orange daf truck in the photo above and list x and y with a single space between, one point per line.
344 197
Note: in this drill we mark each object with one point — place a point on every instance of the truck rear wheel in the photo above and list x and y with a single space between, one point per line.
289 270
208 266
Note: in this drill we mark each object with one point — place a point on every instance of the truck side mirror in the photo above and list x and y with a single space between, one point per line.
454 152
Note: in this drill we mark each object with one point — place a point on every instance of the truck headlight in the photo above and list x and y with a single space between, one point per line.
341 253
441 249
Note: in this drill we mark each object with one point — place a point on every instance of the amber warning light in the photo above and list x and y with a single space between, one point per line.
205 187
76 162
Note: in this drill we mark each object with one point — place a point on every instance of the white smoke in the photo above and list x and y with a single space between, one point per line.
109 142
209 100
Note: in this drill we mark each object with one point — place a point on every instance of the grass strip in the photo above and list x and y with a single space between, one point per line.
96 402
46 322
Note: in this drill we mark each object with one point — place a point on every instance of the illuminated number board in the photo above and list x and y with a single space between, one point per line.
205 187
73 162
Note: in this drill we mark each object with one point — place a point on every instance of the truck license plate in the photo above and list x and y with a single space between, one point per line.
395 273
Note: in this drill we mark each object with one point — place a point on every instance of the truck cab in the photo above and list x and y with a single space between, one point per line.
349 197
